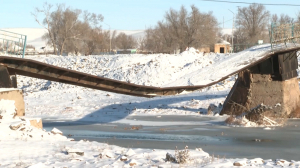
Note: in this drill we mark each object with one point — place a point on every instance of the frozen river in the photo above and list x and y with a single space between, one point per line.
213 137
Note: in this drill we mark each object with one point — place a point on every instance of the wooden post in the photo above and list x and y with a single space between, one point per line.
5 81
14 80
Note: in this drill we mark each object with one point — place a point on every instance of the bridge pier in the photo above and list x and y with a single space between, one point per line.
272 82
11 94
5 81
7 92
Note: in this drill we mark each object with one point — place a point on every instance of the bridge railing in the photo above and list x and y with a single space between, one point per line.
12 43
284 33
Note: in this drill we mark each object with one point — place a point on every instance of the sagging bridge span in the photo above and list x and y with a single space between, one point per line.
32 68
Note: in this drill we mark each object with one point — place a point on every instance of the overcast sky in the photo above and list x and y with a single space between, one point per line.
131 14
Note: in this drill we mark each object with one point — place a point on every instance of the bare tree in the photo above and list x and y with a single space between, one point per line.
46 11
165 37
113 36
65 26
91 40
253 22
97 40
70 30
76 45
182 29
93 19
124 41
93 36
274 18
153 40
59 24
283 19
298 17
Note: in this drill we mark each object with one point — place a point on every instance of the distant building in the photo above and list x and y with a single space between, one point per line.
223 47
126 51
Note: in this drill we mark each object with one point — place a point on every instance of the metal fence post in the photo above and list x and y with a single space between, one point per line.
9 39
24 46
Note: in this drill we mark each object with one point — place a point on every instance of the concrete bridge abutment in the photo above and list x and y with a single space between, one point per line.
9 91
273 83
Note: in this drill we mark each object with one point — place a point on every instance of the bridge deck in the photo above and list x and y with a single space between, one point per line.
41 70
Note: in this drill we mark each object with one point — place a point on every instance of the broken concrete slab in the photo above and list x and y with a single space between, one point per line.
15 95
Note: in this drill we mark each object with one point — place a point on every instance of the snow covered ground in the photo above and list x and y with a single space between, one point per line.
57 101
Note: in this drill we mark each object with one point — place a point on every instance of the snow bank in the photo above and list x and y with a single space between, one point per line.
222 67
7 109
150 70
13 127
37 148
190 50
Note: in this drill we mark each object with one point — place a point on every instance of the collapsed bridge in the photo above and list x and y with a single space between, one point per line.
263 69
31 68
266 74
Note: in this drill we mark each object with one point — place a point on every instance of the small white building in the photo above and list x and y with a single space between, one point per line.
223 47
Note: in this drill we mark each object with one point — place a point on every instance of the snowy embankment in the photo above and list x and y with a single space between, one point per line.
59 101
53 99
30 147
162 70
25 146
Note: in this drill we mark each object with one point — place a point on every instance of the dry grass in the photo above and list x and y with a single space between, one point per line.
262 115
231 120
134 127
182 156
163 129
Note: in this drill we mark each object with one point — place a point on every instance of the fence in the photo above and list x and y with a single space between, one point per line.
284 33
12 43
241 47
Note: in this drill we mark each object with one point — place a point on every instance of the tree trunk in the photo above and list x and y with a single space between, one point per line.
62 47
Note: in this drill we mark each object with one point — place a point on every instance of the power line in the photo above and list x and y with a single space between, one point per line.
238 2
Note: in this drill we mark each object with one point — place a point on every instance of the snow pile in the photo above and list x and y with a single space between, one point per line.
7 109
149 70
222 67
13 127
190 50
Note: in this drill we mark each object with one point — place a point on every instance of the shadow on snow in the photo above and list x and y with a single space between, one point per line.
115 112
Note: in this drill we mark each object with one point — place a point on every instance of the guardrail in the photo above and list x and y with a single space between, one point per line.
12 43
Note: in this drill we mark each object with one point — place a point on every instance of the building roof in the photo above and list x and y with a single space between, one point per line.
224 42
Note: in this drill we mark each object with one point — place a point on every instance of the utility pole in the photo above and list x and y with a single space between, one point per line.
232 31
223 22
109 38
